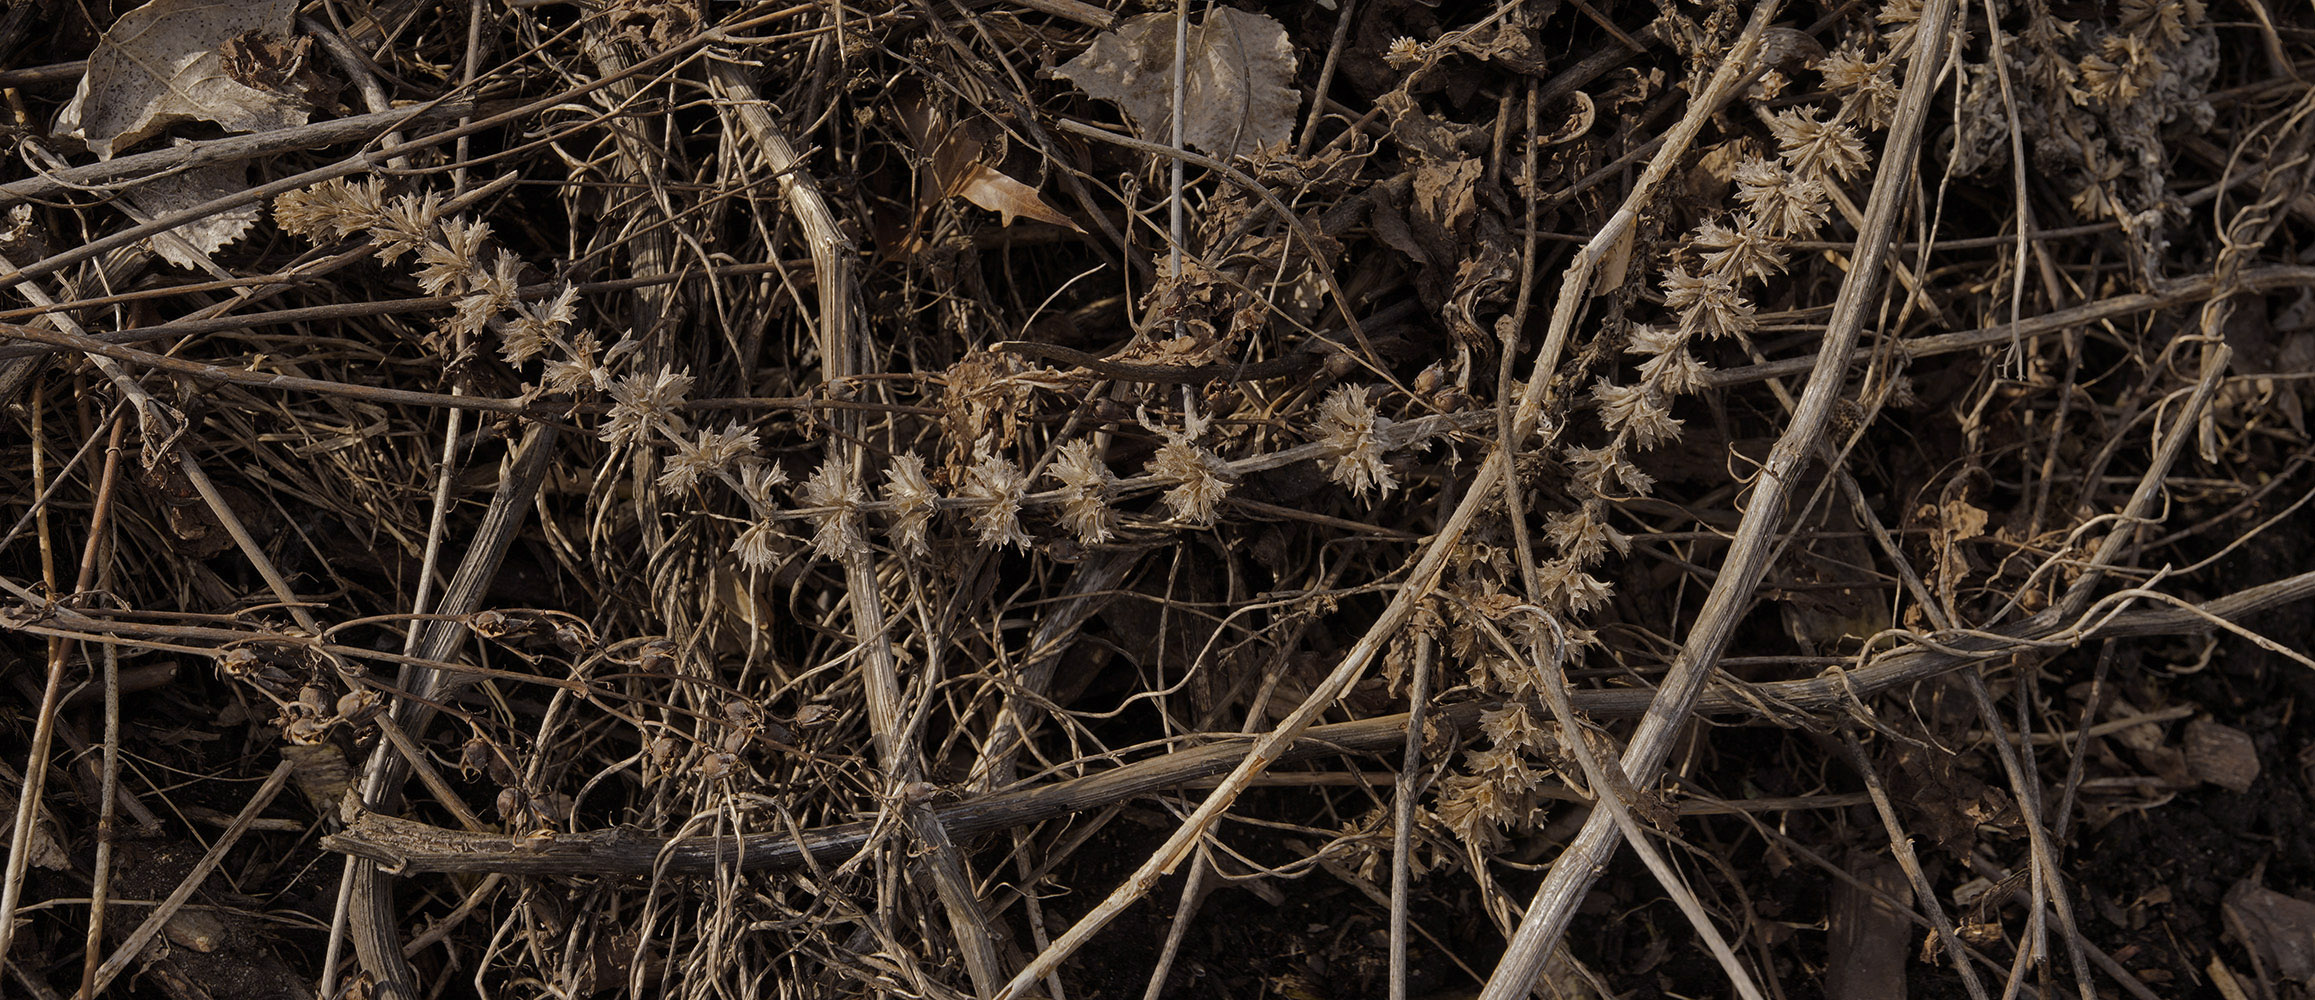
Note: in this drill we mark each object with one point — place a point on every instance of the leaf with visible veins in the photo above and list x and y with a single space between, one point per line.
1239 73
164 63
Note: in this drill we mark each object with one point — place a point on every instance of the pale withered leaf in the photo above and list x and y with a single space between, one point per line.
163 63
1238 74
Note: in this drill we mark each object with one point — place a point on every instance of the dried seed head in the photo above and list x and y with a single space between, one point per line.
643 403
998 486
708 454
1201 477
1636 411
1738 253
1349 425
912 496
758 546
1085 488
1583 536
1782 203
578 371
331 210
1403 52
836 495
445 265
1826 151
403 226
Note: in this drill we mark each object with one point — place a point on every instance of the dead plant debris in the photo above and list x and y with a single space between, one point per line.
1067 500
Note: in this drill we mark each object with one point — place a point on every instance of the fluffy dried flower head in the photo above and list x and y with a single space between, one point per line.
912 496
1085 489
1504 768
710 453
758 478
1869 85
445 264
1781 203
998 486
1822 150
1708 303
758 546
2124 68
578 370
1583 536
332 210
1201 478
834 496
1634 410
403 226
1350 427
1564 584
1904 19
1403 52
1737 253
1475 810
641 403
1512 726
2167 21
1675 372
536 324
1603 470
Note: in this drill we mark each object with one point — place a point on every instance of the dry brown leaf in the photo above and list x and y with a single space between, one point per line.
163 63
186 245
1240 65
2221 754
2279 929
984 186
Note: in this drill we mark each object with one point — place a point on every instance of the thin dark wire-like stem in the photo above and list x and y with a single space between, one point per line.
1403 798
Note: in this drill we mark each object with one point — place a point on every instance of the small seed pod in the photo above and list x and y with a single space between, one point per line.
656 657
718 766
358 707
488 624
740 712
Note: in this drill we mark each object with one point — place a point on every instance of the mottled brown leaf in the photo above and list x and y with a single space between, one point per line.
1239 68
164 63
984 186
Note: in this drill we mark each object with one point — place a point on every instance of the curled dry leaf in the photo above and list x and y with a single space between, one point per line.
964 164
164 63
186 245
2222 755
1239 69
983 185
2279 929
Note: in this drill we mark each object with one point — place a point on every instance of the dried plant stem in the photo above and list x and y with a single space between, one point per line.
2182 292
418 847
371 919
100 875
845 355
128 171
366 161
1425 572
1609 788
134 943
1403 807
1732 591
1924 892
1087 593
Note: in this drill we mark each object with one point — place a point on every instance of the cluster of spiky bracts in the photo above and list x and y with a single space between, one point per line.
1786 186
647 409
